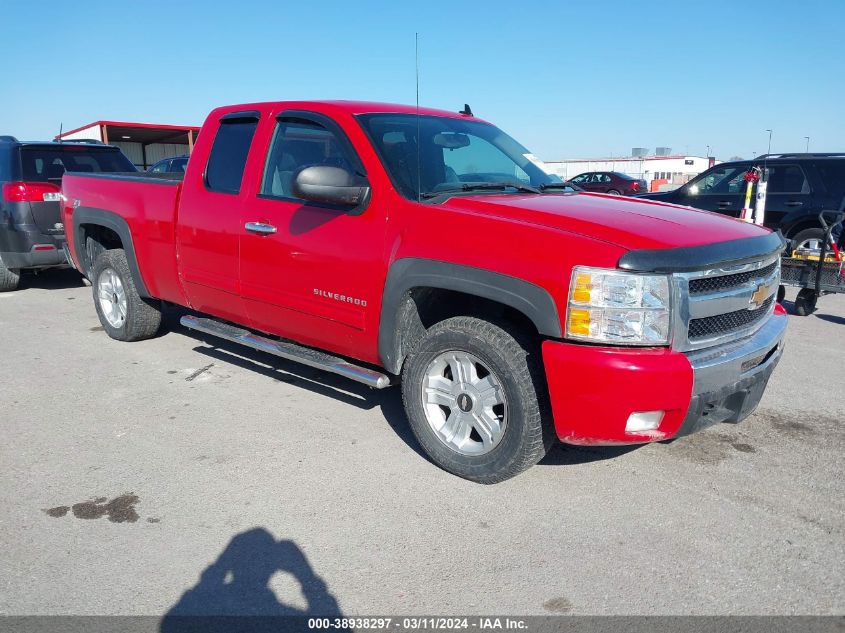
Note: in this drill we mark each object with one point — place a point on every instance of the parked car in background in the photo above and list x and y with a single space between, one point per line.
31 230
174 165
612 182
800 186
390 244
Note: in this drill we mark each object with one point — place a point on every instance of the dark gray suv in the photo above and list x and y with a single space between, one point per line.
800 187
31 231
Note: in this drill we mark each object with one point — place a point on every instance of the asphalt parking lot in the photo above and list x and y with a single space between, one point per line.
184 473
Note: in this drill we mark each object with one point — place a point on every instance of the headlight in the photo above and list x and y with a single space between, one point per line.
611 306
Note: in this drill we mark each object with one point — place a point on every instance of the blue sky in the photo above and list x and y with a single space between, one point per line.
567 79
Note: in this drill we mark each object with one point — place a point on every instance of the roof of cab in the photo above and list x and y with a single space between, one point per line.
351 107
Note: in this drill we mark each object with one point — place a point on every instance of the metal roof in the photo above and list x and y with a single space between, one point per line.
139 132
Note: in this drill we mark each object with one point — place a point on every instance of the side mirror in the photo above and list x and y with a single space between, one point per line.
330 185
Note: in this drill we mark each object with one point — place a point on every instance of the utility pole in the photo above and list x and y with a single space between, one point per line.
708 151
807 149
769 151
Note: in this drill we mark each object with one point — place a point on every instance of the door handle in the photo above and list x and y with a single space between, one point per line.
725 203
794 204
260 227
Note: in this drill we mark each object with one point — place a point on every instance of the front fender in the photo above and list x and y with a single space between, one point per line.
408 273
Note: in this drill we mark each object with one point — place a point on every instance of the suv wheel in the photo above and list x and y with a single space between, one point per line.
9 278
473 395
808 238
123 313
805 302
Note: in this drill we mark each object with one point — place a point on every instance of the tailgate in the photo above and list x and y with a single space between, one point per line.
47 217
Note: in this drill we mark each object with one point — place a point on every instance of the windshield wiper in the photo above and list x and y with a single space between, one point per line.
556 185
482 186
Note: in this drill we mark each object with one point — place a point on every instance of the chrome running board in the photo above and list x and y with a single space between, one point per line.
289 351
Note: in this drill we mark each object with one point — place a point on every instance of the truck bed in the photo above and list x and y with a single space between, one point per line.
133 175
146 204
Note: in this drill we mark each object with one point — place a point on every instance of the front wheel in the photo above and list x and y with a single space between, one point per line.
9 278
474 396
123 313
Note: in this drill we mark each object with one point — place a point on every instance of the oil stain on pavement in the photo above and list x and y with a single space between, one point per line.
558 605
119 510
708 447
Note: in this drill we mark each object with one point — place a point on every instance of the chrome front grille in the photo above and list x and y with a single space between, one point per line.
704 285
728 322
720 305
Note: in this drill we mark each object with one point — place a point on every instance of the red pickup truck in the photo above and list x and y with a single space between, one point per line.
387 243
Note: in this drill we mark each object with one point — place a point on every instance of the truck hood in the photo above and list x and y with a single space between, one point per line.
630 223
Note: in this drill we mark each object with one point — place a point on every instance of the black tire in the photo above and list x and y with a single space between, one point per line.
614 192
514 360
806 235
805 302
143 316
781 293
9 278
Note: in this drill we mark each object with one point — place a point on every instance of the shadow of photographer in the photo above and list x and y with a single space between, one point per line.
234 592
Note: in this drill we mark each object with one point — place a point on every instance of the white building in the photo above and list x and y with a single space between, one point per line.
143 143
676 170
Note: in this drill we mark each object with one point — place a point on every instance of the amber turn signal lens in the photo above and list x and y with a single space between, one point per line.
583 286
579 322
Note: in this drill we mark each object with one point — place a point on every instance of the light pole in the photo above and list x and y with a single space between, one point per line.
769 151
708 151
807 149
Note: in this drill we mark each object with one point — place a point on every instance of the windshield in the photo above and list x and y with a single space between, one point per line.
454 155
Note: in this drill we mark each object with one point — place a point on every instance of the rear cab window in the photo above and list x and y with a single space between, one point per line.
227 159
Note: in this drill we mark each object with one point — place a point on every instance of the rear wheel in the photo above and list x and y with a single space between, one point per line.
474 397
123 313
613 192
9 278
805 302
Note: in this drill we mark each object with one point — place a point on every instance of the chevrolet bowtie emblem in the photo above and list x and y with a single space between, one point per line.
760 295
